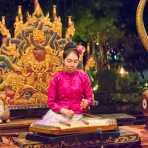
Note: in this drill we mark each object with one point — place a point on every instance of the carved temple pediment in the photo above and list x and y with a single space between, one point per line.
30 57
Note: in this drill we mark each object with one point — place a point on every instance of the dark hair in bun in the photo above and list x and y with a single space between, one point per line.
70 47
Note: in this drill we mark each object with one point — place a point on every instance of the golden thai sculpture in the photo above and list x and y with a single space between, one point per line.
29 59
140 23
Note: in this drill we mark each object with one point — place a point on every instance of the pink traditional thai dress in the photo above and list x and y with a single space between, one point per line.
66 90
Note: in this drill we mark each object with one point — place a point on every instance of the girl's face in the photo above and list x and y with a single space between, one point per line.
71 62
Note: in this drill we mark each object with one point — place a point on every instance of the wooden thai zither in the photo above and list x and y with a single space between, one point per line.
86 125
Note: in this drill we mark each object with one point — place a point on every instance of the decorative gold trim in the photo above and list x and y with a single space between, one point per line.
140 23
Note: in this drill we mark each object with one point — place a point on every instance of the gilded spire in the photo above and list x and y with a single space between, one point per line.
57 24
46 20
71 29
54 12
3 20
20 16
18 25
28 15
38 11
3 29
69 20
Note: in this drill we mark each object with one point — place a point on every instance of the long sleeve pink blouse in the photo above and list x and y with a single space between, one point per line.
66 90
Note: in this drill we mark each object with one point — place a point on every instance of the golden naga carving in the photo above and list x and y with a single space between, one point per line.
140 23
29 59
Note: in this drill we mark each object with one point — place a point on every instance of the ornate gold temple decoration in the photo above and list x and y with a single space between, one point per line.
3 29
140 23
57 24
71 29
54 11
29 59
18 25
38 35
38 11
20 16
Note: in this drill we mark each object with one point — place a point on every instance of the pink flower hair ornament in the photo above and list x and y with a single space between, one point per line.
80 49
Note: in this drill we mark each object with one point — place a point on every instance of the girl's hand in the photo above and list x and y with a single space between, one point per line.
84 103
67 112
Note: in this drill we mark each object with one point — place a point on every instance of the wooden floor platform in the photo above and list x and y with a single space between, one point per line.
116 139
12 129
141 131
20 125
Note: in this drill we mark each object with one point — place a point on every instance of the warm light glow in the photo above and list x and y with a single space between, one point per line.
123 72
